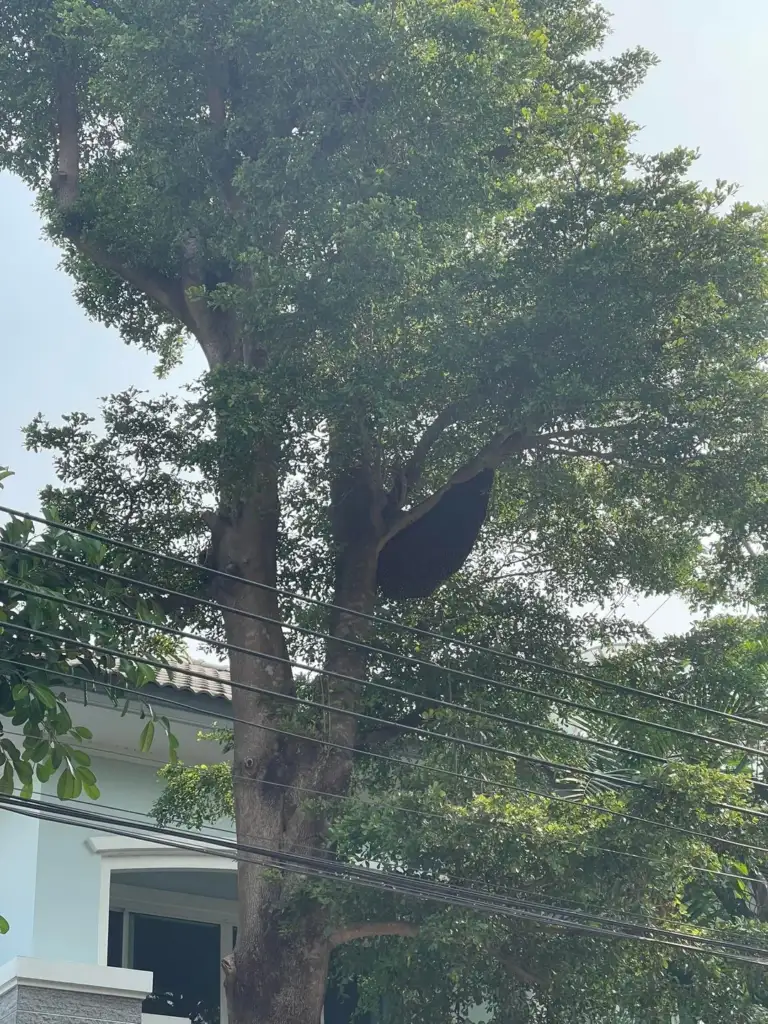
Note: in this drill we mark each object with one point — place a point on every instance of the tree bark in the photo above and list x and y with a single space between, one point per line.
278 972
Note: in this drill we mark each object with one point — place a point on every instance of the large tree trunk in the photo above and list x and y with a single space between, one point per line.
278 972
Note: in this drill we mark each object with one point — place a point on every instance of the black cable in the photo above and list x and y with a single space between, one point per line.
576 909
390 806
324 852
385 806
416 811
360 716
408 659
497 784
412 630
414 730
315 670
393 882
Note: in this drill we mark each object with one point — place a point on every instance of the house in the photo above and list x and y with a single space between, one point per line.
121 930
118 929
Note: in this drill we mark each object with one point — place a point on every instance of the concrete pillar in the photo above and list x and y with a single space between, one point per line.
48 992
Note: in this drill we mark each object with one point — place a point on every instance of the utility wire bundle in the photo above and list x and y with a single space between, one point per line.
587 921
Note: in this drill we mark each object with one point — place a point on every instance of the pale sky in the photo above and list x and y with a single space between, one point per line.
710 92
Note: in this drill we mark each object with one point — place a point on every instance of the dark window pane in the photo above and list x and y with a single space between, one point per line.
184 959
115 939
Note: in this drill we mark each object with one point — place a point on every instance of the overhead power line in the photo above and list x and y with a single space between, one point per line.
394 655
345 677
362 716
380 620
401 884
351 798
481 782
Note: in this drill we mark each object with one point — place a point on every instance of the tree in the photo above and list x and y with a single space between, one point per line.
553 851
416 250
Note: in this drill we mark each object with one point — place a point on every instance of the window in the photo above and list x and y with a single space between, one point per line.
115 940
183 957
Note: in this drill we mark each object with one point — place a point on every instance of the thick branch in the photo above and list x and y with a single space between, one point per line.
65 185
411 472
514 968
66 182
162 290
218 80
502 445
372 930
499 448
379 737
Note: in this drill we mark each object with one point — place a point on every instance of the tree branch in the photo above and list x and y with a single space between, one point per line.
165 292
218 80
378 737
501 446
411 472
372 930
514 968
406 929
65 185
66 178
504 443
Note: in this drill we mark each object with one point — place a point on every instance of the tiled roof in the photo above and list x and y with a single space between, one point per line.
214 684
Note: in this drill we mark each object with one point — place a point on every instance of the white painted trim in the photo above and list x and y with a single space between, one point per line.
166 903
227 934
159 1018
126 854
113 981
103 924
203 856
134 899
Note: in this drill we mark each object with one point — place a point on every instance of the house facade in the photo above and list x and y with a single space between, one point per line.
107 929
113 929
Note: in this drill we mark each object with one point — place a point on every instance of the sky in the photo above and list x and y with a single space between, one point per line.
709 92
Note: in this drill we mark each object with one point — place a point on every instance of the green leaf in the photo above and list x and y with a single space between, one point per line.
6 780
44 695
147 736
67 787
85 775
4 926
80 756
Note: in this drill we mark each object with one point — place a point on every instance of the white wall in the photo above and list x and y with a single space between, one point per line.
18 869
50 881
66 921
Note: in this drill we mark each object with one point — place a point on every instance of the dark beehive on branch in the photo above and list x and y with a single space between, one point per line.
417 559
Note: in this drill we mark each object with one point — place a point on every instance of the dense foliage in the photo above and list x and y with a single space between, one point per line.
415 244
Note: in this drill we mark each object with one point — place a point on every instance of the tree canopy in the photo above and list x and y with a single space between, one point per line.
420 254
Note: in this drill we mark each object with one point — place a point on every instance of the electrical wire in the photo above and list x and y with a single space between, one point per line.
555 903
657 609
344 677
481 827
380 620
396 883
371 649
361 716
481 782
381 805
